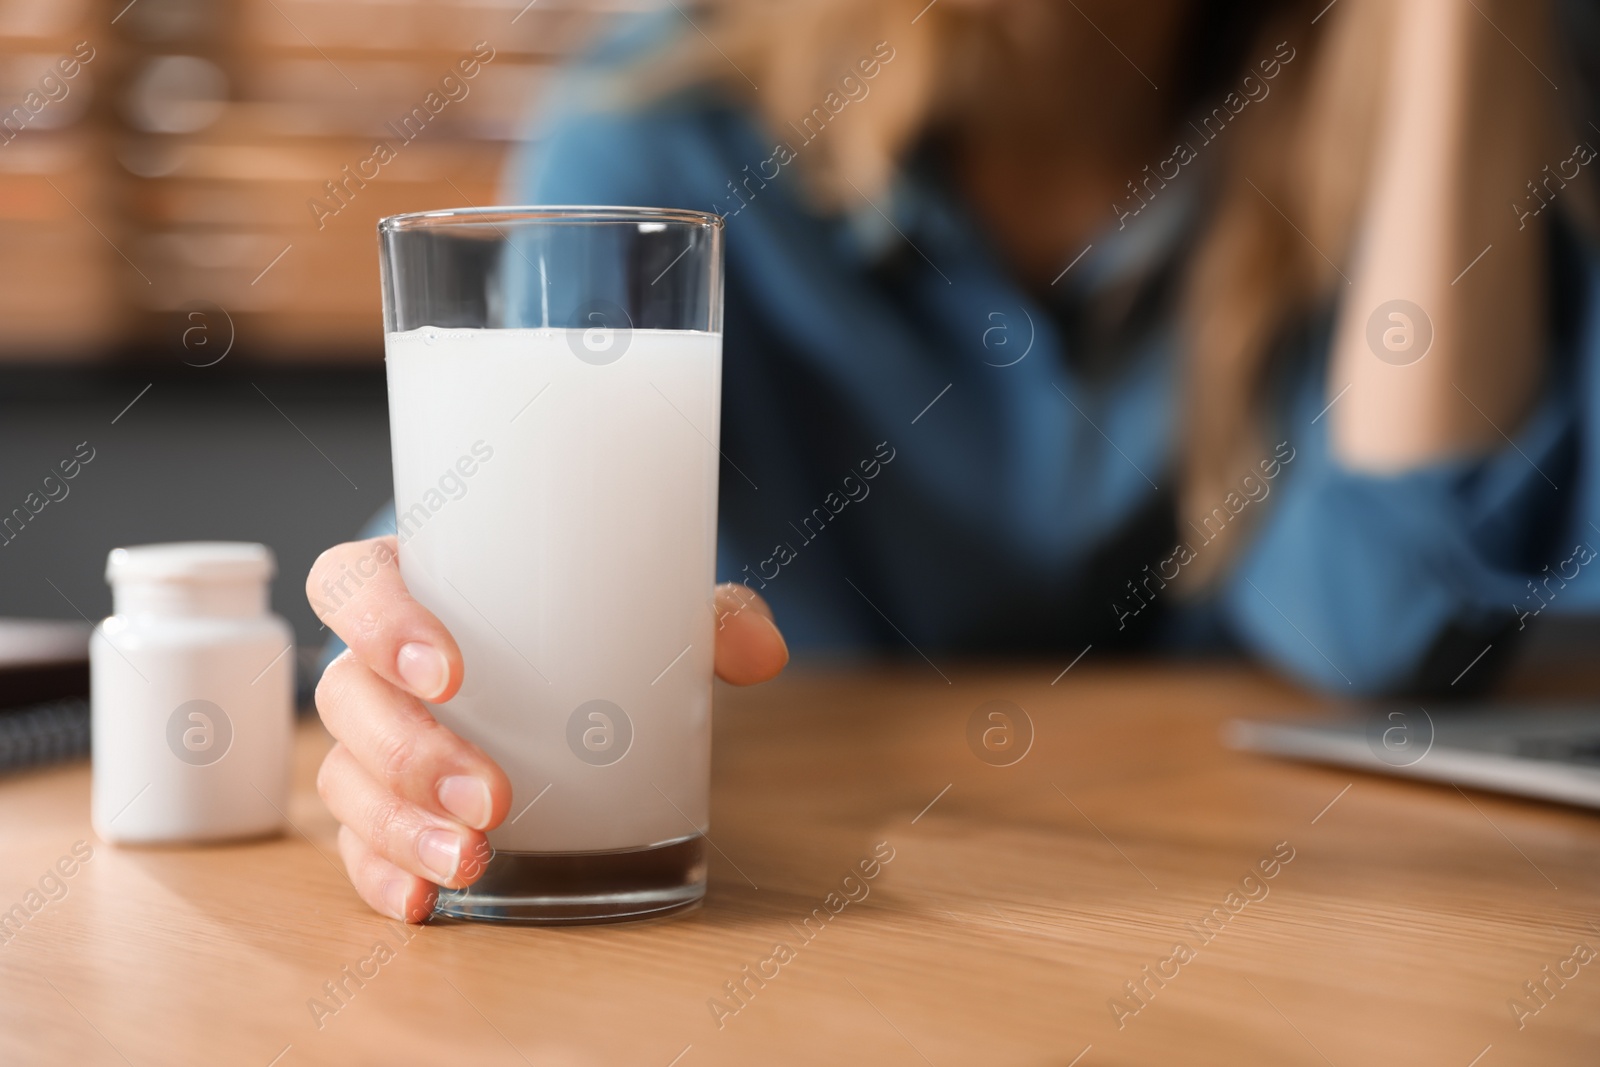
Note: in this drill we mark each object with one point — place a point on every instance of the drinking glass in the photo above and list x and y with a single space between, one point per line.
554 398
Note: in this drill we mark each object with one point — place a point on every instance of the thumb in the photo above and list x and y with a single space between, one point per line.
749 647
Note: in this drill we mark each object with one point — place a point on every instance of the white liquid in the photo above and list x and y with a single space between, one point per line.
575 562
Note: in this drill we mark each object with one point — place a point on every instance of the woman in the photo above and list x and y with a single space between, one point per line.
1179 325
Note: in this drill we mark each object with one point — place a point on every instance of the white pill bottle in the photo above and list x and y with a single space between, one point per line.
192 696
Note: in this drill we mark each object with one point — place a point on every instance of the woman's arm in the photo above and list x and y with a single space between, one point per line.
1404 551
1467 124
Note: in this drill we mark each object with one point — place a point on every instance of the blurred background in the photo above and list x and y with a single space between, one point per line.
188 260
171 296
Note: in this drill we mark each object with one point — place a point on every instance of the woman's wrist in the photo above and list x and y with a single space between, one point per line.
1439 344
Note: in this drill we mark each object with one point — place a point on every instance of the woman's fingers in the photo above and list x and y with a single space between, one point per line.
749 647
412 797
401 746
386 888
414 840
357 590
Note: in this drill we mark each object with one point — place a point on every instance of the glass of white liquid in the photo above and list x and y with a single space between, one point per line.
554 387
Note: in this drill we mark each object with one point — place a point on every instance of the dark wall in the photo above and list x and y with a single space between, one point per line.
200 456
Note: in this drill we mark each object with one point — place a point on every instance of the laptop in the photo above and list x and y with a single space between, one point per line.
1550 753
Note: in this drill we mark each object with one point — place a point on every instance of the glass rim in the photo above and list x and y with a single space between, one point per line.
557 214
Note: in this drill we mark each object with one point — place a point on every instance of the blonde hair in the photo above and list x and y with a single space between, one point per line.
1291 178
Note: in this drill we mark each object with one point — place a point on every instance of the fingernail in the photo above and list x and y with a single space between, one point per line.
393 897
424 669
466 798
440 853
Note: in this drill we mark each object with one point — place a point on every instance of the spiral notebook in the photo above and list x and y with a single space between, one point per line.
44 692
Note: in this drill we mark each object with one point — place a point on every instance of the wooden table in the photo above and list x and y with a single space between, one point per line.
1018 902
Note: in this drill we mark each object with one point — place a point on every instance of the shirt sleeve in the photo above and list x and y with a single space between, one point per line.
658 156
1418 582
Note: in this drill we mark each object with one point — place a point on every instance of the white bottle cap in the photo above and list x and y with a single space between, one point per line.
192 561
